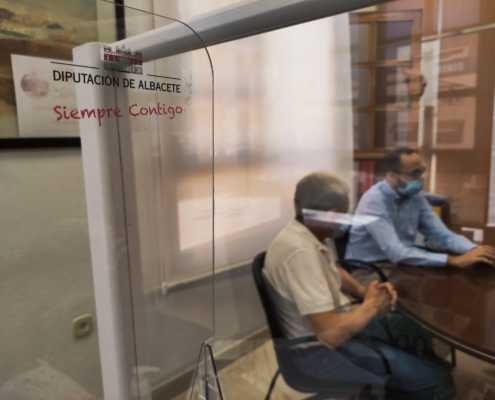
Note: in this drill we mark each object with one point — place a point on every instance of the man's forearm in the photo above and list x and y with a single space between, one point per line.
345 326
350 285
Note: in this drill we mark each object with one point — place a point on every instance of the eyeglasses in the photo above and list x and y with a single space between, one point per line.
416 174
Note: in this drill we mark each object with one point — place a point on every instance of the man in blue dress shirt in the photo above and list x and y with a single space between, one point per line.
396 210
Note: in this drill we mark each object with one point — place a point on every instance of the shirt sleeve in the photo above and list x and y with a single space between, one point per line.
431 226
306 283
382 230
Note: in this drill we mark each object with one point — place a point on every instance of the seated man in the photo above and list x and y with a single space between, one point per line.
399 210
309 289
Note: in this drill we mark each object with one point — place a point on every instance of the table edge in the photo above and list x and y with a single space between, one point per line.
488 357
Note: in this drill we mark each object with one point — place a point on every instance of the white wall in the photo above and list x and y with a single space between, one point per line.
45 269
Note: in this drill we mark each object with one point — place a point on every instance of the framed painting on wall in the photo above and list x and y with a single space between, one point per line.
47 30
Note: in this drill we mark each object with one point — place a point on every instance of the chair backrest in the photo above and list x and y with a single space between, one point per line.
341 245
270 312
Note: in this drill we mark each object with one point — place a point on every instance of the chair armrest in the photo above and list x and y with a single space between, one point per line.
293 342
350 265
287 344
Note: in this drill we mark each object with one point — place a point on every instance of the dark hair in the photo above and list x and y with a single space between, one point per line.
391 160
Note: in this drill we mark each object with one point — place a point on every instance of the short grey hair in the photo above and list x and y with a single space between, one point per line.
321 191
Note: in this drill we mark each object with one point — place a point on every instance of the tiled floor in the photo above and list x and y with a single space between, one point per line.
474 378
248 378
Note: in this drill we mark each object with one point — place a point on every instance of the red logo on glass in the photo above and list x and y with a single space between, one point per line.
123 60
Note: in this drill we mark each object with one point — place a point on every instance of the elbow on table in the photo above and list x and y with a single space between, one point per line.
401 257
396 255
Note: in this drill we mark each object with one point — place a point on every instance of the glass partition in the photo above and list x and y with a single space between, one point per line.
144 116
333 98
165 144
153 250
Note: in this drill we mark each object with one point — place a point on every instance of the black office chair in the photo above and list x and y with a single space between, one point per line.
341 245
352 265
286 351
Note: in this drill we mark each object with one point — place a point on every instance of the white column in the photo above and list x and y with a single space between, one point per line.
113 231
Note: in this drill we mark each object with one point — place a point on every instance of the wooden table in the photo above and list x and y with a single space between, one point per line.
458 306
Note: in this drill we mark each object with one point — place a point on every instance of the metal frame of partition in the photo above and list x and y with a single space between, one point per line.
111 204
239 20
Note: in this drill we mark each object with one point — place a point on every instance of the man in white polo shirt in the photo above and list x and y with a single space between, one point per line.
309 291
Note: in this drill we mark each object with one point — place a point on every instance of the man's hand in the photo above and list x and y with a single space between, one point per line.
333 329
378 297
391 291
482 254
387 286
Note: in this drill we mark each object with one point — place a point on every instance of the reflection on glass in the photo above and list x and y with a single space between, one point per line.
360 124
385 128
359 42
234 215
392 86
459 14
360 84
458 62
394 40
283 110
456 123
171 162
393 128
269 125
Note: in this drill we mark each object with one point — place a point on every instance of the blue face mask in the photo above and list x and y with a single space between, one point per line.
341 230
411 188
